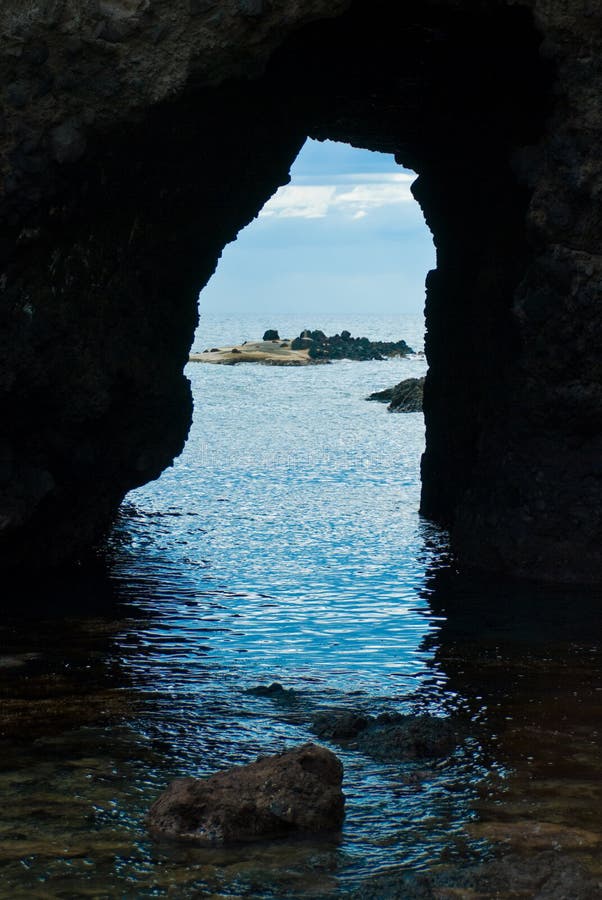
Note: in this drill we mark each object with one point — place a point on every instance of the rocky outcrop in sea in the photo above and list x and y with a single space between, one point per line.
344 346
407 396
311 347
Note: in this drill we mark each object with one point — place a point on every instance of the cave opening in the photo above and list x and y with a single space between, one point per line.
131 235
292 463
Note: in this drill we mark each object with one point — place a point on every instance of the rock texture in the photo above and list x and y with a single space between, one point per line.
345 346
293 793
269 353
407 396
389 737
138 137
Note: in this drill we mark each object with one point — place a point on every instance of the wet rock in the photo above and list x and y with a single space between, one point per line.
301 343
384 396
319 352
271 335
344 346
409 737
343 726
295 792
390 736
274 691
407 396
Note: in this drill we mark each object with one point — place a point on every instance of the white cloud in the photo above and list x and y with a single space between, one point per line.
372 196
354 195
303 201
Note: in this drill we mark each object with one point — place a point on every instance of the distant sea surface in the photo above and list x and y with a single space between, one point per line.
284 545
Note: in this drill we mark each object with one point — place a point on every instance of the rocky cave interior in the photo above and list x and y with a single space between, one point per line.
103 255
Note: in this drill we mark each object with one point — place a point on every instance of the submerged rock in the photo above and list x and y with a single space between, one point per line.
407 396
298 791
546 876
274 691
526 834
340 726
390 736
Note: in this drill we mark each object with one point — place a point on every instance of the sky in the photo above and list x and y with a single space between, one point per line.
345 236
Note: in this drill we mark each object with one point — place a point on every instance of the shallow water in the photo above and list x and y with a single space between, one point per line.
285 545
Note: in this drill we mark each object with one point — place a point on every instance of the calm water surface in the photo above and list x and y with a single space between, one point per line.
285 545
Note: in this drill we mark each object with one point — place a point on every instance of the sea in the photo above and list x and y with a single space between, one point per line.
285 546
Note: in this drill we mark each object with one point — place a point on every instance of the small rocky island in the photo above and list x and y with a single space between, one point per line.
407 396
310 348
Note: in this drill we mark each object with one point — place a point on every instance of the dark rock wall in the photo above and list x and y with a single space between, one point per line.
533 504
132 149
99 311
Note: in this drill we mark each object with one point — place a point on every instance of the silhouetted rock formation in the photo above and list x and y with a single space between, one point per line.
296 792
344 346
407 396
137 139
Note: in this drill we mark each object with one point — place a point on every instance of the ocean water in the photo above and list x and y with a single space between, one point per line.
285 545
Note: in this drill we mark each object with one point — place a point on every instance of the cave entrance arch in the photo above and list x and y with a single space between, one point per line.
113 270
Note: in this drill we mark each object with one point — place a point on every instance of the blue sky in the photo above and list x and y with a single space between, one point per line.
345 236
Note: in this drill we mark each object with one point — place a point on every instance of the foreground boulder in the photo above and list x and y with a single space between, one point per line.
298 791
407 396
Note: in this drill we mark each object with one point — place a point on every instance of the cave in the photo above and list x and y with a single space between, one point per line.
137 140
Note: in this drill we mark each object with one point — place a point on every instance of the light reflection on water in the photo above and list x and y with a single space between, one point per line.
285 546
